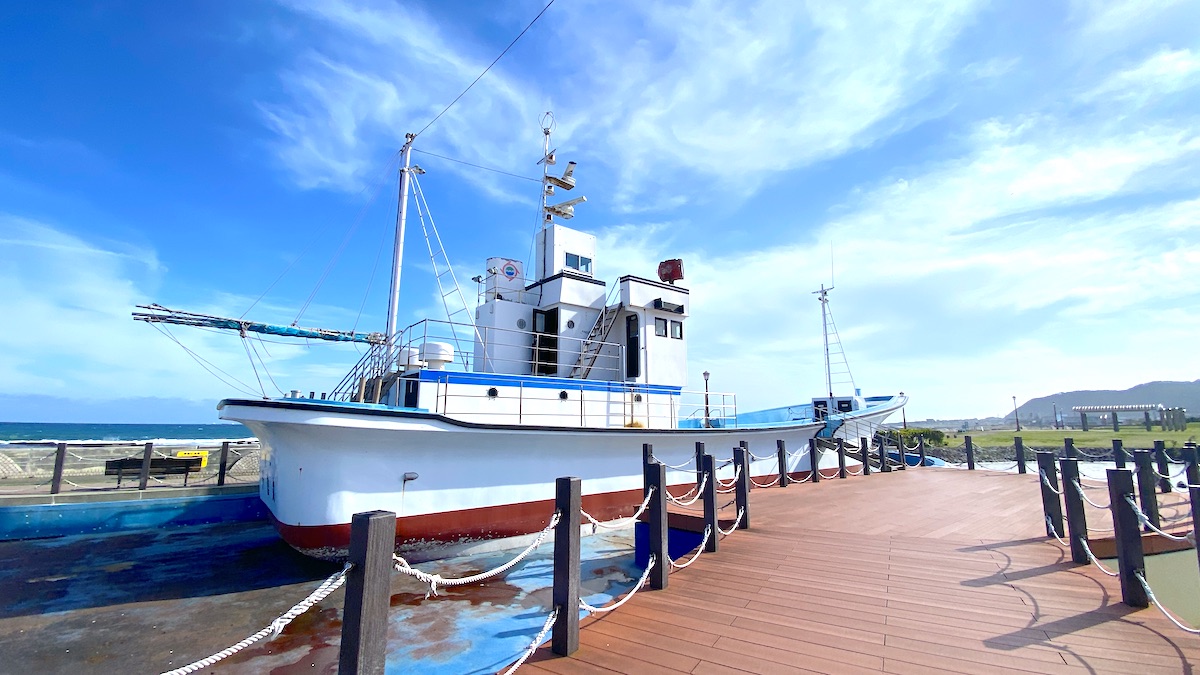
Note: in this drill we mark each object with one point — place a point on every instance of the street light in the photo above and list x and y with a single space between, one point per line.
707 424
1016 415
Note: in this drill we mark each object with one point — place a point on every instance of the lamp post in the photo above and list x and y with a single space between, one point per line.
1016 415
707 424
1055 404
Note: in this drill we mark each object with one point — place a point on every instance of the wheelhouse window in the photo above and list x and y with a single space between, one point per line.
677 330
580 263
660 327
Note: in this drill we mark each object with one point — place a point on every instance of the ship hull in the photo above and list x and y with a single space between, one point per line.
452 482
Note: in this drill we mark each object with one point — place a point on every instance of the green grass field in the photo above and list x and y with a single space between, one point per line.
1131 436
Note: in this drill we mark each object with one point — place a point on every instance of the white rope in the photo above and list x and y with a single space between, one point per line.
759 459
434 580
621 522
275 628
608 608
1092 558
684 465
1054 531
741 512
855 472
680 500
537 641
1046 482
732 482
699 550
764 485
1100 455
1147 524
1154 601
1079 489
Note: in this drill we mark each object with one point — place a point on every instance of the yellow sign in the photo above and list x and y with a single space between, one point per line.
202 454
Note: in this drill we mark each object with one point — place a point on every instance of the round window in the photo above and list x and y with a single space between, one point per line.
521 324
493 392
562 395
570 324
637 398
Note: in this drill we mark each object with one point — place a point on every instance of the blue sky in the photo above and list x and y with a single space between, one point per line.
1011 190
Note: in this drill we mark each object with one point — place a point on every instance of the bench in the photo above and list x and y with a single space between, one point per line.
159 466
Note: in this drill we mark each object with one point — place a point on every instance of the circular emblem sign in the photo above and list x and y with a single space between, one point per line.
510 271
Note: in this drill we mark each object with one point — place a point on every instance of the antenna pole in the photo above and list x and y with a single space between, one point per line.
823 296
398 250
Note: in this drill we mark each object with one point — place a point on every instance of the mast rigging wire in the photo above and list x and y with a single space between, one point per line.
485 70
477 166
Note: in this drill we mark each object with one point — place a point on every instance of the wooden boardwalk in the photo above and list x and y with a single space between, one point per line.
922 571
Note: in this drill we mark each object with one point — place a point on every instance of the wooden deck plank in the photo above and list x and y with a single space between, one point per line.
922 571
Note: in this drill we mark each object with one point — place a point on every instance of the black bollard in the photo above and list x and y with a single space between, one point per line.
1194 497
921 450
814 459
970 453
60 458
147 455
368 593
710 504
699 462
1145 484
1128 537
841 452
1019 445
1069 450
1076 518
781 451
903 452
1051 504
884 466
568 500
1119 454
1164 467
865 456
1193 471
655 475
224 463
741 488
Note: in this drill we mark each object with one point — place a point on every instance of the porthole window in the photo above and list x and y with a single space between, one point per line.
521 324
660 327
562 395
493 392
570 324
637 398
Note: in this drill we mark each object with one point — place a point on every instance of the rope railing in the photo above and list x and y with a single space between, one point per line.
683 465
276 627
637 587
757 458
434 580
1054 531
1095 561
620 523
537 641
680 501
1079 489
1046 482
1154 601
1145 522
724 487
736 523
699 550
756 484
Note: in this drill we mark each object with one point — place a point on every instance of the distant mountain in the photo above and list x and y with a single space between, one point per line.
1170 394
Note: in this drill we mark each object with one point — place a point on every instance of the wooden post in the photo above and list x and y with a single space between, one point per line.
903 452
1116 422
1051 505
147 454
564 639
368 594
1128 537
1146 419
699 462
656 479
921 450
1076 518
1119 454
814 460
224 462
1164 467
710 504
1069 450
1083 423
1145 484
1194 496
647 453
1193 471
741 489
865 456
841 452
60 458
1019 445
970 453
884 467
781 451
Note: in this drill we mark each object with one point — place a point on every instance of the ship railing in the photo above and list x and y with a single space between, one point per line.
499 350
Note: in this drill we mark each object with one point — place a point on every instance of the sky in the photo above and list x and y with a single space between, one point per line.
1005 196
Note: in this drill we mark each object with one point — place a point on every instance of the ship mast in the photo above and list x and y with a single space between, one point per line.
823 296
398 249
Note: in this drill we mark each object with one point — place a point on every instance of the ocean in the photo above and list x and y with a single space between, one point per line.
43 431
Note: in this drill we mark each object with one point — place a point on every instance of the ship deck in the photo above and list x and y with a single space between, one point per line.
921 571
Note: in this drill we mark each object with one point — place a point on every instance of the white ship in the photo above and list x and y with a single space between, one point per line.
461 427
